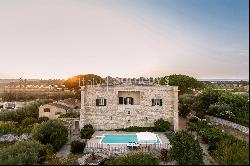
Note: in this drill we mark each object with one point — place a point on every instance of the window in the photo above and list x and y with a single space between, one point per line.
128 120
146 118
156 102
128 101
120 100
101 102
128 112
58 113
46 110
111 118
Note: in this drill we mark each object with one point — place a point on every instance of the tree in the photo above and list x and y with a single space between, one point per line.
185 104
134 159
187 99
186 84
87 131
73 82
185 149
43 119
184 110
29 121
51 132
161 125
204 100
24 153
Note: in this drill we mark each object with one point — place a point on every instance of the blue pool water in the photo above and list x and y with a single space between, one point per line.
123 139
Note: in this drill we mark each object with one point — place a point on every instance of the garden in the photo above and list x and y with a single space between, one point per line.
225 149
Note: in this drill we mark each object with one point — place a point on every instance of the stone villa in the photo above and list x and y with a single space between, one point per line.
55 109
122 106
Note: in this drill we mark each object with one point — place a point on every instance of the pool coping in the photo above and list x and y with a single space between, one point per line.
102 136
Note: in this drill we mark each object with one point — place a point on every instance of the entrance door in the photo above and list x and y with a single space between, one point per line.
77 125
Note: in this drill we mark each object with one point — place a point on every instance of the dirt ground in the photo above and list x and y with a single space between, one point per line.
183 123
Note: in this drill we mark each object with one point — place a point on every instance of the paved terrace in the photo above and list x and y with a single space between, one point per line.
94 145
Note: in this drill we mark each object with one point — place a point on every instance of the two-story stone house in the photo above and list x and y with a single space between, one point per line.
122 106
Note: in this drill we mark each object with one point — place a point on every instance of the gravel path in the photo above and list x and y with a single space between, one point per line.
207 159
65 150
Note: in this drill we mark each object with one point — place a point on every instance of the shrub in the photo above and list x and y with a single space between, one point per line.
209 133
8 128
44 152
161 125
231 151
23 153
43 119
70 115
134 159
51 132
54 160
87 131
29 121
77 147
164 153
185 149
70 160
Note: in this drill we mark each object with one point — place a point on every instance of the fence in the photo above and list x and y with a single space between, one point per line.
110 149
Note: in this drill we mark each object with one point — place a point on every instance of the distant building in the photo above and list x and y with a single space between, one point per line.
55 109
9 105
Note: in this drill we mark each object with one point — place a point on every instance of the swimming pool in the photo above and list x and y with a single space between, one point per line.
124 139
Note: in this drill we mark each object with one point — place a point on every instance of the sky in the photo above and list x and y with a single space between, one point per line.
124 38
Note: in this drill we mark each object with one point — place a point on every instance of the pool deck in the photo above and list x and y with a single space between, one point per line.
94 143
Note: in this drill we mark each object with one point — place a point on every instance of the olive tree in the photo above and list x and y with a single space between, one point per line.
52 132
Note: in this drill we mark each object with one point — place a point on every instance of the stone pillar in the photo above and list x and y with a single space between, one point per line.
82 110
176 114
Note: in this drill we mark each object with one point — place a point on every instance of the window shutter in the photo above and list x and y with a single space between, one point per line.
132 101
153 102
105 102
120 100
125 100
97 102
160 102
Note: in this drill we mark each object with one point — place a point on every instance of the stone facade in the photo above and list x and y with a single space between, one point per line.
53 110
114 115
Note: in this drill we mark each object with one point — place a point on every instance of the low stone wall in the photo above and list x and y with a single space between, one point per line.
228 124
12 137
